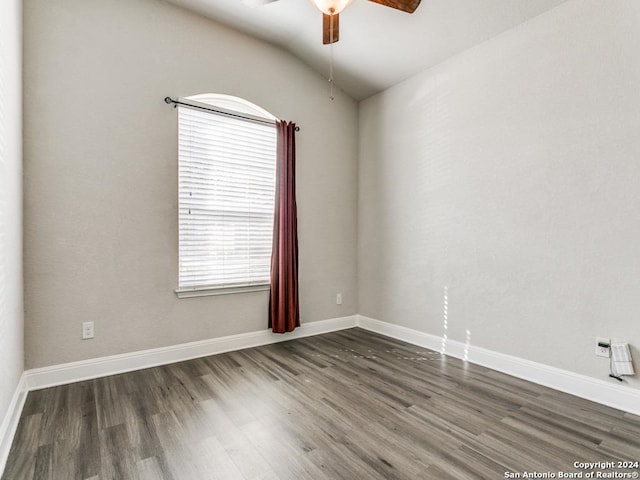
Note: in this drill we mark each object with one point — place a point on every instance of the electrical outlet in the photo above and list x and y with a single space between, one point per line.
602 351
339 299
87 330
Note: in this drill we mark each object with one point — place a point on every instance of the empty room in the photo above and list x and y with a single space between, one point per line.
319 239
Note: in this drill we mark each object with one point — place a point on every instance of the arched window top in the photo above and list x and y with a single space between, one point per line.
229 102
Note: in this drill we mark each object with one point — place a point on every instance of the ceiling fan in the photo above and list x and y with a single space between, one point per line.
331 13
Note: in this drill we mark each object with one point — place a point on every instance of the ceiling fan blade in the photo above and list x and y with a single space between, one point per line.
326 28
408 6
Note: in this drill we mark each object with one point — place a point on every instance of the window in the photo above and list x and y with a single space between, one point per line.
226 188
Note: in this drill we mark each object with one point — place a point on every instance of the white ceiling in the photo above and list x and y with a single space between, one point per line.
378 46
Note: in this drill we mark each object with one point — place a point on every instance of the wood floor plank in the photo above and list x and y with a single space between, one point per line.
116 455
23 455
345 405
214 462
150 469
249 461
44 463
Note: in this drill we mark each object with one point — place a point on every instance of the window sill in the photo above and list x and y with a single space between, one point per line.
206 292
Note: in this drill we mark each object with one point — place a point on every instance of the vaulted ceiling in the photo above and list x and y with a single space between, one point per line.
378 46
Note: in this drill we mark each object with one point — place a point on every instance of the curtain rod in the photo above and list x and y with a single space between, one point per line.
169 100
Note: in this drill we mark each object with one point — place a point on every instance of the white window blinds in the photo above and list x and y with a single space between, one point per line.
227 169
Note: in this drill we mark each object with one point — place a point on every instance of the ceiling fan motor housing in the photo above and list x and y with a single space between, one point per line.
331 7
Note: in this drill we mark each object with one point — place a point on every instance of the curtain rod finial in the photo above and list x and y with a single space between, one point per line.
167 100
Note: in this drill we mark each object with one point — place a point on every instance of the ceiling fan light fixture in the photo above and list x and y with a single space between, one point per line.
331 7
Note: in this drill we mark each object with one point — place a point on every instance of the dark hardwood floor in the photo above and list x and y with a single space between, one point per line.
345 405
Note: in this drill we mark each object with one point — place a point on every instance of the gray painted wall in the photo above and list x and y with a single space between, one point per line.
509 175
101 175
11 308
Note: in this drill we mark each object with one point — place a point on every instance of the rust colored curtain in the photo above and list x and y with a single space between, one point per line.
284 310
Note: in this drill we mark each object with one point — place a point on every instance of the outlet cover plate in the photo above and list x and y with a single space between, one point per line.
87 330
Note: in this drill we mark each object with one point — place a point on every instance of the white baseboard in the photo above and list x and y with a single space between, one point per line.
100 367
10 422
613 395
